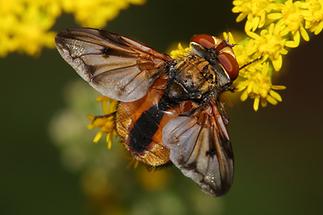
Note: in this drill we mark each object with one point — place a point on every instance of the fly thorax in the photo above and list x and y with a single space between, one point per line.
194 78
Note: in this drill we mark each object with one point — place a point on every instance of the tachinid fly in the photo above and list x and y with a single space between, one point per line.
169 109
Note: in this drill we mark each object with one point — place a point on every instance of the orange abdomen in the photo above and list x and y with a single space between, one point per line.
140 124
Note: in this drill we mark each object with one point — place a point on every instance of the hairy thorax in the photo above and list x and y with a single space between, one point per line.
193 78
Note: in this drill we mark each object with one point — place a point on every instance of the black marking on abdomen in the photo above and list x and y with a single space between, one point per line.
146 126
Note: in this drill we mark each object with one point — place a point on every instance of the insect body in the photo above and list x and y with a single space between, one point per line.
169 109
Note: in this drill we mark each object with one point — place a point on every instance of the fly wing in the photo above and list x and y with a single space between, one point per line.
199 146
116 66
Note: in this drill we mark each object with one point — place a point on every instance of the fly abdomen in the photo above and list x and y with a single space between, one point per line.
140 136
140 124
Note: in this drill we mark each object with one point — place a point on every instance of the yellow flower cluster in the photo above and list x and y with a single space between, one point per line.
95 13
272 27
25 25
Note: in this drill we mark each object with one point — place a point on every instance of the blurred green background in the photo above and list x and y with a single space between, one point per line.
278 150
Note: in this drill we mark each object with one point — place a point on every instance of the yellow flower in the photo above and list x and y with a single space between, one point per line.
254 10
272 27
314 15
291 15
244 51
271 43
255 82
106 122
25 25
180 52
96 13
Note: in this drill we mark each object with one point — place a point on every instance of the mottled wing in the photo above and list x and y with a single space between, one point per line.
199 146
115 66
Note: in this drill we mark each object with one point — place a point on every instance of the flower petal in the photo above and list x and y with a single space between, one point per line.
275 16
277 63
97 137
278 87
241 17
271 100
276 95
256 103
304 34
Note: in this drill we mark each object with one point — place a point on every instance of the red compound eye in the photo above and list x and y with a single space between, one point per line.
230 65
204 40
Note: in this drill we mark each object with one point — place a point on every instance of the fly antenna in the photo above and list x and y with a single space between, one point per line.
247 64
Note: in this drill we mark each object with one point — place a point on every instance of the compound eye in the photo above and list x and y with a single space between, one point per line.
230 65
204 40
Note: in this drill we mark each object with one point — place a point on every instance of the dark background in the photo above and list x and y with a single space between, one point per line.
278 150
